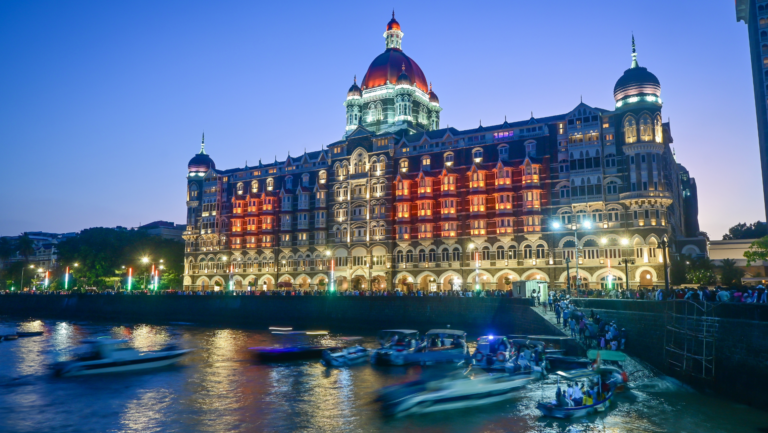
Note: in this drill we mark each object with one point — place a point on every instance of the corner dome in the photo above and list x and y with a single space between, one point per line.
388 66
636 81
433 96
403 79
354 91
393 24
201 162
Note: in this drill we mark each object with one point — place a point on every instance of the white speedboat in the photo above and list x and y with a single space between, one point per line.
527 359
345 356
472 387
112 356
396 345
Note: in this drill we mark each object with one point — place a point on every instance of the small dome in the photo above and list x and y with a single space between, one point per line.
393 24
403 79
201 162
354 91
433 96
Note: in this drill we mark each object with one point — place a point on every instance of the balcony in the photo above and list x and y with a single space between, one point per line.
448 188
532 179
303 224
320 202
425 191
320 224
664 195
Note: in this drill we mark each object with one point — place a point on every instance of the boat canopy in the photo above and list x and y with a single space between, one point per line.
578 374
446 332
607 355
519 342
401 331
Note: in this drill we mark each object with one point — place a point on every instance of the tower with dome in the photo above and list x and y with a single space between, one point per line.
394 93
583 199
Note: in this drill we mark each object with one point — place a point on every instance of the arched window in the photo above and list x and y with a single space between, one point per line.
375 112
322 176
305 179
193 191
240 189
289 182
630 130
612 187
422 256
404 165
399 257
565 217
610 160
254 186
423 116
448 158
657 128
540 252
527 252
504 152
477 154
435 122
409 257
500 253
646 133
270 184
565 191
486 253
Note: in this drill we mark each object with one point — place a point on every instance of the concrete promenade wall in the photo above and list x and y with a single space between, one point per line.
741 344
498 315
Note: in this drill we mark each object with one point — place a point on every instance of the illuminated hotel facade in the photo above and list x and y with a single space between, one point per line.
401 202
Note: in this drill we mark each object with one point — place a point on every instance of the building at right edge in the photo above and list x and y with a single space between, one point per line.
754 13
401 202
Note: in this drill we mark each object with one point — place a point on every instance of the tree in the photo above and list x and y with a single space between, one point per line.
701 271
7 248
758 229
730 274
757 252
678 270
25 245
102 252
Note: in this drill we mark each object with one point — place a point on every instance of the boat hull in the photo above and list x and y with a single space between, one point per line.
567 363
75 368
288 354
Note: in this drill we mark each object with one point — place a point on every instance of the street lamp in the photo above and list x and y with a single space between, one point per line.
626 261
477 266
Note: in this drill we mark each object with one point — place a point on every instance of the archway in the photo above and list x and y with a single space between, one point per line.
379 282
450 280
266 283
404 282
302 282
504 280
359 283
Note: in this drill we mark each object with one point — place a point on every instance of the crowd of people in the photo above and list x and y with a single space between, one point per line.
592 330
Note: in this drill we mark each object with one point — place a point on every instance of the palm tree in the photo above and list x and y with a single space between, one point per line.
730 274
25 245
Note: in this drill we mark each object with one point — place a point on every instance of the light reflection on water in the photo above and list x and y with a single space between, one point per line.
218 388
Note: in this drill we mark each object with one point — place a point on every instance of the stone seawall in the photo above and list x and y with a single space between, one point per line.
492 315
741 344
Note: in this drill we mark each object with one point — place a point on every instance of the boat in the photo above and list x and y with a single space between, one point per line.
24 334
566 363
440 345
492 352
527 359
9 337
460 389
608 362
345 356
295 348
102 355
563 410
395 345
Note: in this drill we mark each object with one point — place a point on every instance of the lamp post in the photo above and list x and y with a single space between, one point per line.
626 261
587 224
477 267
146 261
21 283
568 274
663 244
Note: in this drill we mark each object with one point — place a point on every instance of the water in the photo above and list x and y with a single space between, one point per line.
220 389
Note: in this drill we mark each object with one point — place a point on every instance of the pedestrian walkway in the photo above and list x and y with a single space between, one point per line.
550 316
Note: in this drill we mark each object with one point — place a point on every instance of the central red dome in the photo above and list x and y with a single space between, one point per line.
389 65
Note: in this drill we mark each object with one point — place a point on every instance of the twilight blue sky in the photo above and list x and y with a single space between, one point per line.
102 103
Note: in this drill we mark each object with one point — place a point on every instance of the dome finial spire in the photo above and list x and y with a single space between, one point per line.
202 144
393 13
634 53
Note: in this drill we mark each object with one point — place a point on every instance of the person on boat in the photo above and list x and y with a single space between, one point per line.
578 396
559 400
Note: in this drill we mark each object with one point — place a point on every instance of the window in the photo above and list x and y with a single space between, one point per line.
504 201
403 210
425 208
642 158
504 152
477 154
425 186
477 203
540 252
449 230
477 227
612 187
425 231
270 184
456 255
528 252
532 223
632 159
532 199
504 177
448 158
289 182
565 191
305 180
477 180
425 163
565 218
504 225
646 133
402 188
630 130
657 127
610 160
404 165
448 206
